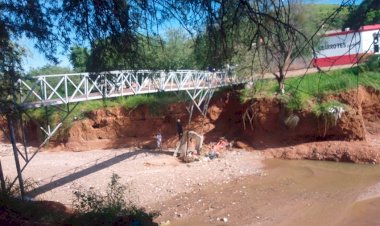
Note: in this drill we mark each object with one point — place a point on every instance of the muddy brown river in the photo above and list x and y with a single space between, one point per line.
290 193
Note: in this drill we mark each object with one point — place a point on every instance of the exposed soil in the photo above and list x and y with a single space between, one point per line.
354 138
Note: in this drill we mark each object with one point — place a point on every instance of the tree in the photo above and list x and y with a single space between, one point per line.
281 45
368 12
79 58
175 52
172 52
272 33
49 70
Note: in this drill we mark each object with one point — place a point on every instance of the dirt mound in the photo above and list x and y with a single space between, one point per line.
117 127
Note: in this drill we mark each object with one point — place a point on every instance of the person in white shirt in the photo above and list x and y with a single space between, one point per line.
159 140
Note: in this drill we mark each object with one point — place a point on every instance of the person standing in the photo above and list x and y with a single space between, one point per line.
179 129
159 140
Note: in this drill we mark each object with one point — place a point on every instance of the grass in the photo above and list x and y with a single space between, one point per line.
302 92
334 81
323 108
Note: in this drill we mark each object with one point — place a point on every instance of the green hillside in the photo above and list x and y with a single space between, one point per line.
322 11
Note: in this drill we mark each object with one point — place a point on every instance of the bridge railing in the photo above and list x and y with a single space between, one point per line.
45 90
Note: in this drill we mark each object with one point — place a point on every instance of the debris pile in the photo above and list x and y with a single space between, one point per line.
218 149
191 148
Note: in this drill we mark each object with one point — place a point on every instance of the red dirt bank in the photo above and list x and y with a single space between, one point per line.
353 139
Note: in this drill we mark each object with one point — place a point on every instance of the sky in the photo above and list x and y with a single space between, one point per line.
35 59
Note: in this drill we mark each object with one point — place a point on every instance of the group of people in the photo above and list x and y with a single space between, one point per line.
158 136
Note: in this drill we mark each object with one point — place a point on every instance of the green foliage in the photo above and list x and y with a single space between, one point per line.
174 51
304 90
107 56
328 112
373 63
14 191
177 52
49 70
320 12
79 58
334 81
91 208
261 88
156 103
294 101
10 70
323 109
368 12
113 202
94 208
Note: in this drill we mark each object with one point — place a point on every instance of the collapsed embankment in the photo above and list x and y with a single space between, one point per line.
352 139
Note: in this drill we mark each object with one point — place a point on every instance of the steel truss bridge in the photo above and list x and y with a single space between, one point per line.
45 91
48 90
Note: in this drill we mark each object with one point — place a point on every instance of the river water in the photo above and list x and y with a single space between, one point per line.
294 193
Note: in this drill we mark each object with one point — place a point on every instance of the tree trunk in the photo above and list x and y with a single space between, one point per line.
280 77
282 85
2 181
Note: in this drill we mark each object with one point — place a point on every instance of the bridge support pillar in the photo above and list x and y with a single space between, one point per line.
200 99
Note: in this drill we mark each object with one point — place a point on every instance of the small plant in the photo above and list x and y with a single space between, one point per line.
325 107
330 112
292 121
91 201
294 101
95 208
13 191
373 63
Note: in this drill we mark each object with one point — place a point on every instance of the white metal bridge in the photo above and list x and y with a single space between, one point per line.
47 90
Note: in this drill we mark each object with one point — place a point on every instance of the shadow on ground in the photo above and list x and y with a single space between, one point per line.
92 169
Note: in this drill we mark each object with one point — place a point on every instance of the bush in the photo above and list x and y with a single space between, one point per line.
330 112
373 63
294 101
112 208
323 108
